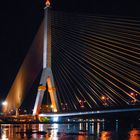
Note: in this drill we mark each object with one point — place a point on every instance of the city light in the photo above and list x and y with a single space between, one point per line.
103 97
64 106
82 103
55 119
105 100
134 96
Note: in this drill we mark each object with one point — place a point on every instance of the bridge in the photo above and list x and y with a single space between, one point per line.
88 62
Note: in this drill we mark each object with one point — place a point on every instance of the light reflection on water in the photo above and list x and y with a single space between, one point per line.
134 134
99 130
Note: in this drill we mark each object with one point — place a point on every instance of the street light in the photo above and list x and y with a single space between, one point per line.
104 99
4 103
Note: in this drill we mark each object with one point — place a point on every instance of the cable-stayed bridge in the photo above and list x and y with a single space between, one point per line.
95 62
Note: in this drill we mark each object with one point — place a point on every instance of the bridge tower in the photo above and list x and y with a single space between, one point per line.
47 75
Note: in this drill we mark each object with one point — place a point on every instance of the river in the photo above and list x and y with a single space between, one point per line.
91 130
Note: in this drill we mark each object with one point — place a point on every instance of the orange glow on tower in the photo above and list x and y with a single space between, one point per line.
47 3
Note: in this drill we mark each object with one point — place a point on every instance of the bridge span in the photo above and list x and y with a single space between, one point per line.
88 112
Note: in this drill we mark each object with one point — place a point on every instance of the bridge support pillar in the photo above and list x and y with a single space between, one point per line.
47 75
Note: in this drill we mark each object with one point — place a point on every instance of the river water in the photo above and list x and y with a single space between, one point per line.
97 130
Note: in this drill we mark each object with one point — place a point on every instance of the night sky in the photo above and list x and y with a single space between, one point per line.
20 20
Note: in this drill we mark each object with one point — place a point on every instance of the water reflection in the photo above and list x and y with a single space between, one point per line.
54 131
106 135
134 134
97 130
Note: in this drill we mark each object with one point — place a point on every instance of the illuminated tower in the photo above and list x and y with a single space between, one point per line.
47 76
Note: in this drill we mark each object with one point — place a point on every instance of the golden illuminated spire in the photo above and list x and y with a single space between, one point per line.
48 3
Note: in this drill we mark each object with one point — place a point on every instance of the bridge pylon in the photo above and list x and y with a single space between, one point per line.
47 75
